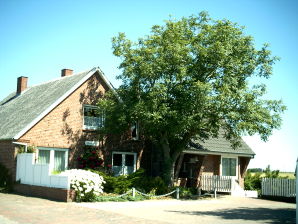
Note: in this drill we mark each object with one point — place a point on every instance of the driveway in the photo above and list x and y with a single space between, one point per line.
224 210
15 209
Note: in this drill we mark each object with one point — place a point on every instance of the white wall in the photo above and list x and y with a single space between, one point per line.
28 172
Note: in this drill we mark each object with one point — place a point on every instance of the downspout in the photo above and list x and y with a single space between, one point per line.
23 144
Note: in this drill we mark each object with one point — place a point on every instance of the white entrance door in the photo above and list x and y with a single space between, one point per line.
124 163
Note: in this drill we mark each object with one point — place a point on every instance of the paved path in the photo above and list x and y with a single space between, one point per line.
15 209
224 210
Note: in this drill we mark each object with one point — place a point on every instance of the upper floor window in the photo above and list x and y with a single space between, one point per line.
135 130
92 118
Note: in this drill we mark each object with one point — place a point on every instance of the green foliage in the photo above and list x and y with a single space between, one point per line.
187 193
56 172
138 180
271 174
30 149
6 183
252 181
90 159
189 78
255 170
119 199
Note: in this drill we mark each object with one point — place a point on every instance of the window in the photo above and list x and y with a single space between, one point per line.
124 163
92 118
55 157
44 156
59 160
135 131
229 166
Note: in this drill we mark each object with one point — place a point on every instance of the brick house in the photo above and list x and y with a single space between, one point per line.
59 119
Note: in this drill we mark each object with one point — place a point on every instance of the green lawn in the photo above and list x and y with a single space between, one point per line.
289 175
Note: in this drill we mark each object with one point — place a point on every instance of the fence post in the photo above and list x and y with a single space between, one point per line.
133 192
177 192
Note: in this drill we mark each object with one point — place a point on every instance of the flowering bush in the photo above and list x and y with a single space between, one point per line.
86 184
90 158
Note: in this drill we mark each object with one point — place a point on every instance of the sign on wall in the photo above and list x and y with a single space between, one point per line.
92 143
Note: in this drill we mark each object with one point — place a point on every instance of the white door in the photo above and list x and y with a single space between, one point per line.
124 163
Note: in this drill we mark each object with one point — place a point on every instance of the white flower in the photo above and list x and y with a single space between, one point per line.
84 182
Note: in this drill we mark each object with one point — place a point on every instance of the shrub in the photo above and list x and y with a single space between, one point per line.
252 182
30 149
138 179
114 184
120 199
5 179
90 159
86 184
187 192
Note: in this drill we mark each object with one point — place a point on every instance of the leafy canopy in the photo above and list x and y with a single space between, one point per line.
189 78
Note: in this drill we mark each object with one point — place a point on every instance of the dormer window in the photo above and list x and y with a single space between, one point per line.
135 130
92 119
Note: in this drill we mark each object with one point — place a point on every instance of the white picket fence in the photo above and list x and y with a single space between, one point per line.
215 182
279 187
28 172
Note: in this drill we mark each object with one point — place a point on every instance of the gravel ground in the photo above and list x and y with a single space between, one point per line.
16 209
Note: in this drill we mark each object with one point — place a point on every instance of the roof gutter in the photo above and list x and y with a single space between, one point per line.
21 143
218 153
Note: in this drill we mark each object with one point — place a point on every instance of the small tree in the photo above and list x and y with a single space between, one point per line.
271 174
188 79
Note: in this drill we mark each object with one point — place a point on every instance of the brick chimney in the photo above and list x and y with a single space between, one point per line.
66 72
22 84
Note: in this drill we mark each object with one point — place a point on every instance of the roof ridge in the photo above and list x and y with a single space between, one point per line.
59 78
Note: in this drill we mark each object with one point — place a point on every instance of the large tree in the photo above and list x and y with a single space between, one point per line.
187 79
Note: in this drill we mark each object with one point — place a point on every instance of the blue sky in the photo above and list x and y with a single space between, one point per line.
39 38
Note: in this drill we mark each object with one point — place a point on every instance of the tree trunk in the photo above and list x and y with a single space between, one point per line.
167 164
170 158
179 164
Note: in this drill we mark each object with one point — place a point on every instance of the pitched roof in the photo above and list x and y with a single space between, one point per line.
18 113
218 145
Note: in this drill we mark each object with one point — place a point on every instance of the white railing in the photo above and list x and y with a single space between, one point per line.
218 183
279 187
28 172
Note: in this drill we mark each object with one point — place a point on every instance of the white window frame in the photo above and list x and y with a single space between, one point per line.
87 127
229 157
123 159
52 156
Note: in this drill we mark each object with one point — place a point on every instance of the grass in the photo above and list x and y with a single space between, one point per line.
289 175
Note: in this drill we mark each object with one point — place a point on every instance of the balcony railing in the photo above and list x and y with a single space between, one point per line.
92 122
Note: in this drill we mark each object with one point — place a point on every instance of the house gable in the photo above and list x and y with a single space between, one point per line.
22 112
62 127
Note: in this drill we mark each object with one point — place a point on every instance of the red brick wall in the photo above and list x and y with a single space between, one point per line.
63 126
45 192
243 163
211 165
8 153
